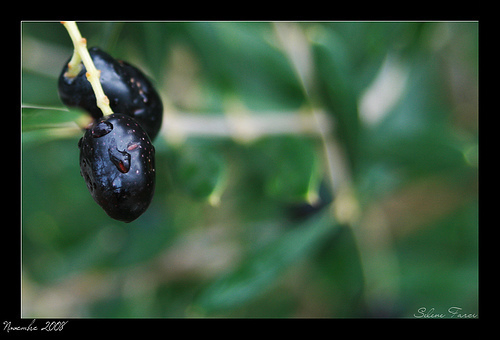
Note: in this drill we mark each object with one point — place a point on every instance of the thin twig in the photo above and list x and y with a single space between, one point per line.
93 74
180 125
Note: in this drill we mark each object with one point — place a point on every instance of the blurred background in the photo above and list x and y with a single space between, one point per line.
310 169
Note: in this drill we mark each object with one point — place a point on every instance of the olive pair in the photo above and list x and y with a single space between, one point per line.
116 153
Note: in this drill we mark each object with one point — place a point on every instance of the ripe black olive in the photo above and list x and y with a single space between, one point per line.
129 91
117 161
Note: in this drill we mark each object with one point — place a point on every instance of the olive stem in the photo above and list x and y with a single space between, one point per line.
74 66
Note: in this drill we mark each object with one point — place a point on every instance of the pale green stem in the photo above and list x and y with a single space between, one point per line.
74 66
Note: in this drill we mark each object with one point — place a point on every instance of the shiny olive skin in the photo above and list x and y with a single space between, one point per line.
129 91
117 162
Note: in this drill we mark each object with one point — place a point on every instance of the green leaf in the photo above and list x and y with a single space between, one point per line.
415 135
200 170
263 265
334 73
291 167
39 89
41 117
238 58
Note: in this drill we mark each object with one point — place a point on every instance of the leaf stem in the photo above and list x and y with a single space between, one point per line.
74 66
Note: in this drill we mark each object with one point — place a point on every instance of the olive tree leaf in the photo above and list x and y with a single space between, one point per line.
291 167
200 171
263 265
35 117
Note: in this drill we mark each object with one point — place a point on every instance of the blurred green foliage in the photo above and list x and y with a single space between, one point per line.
254 228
